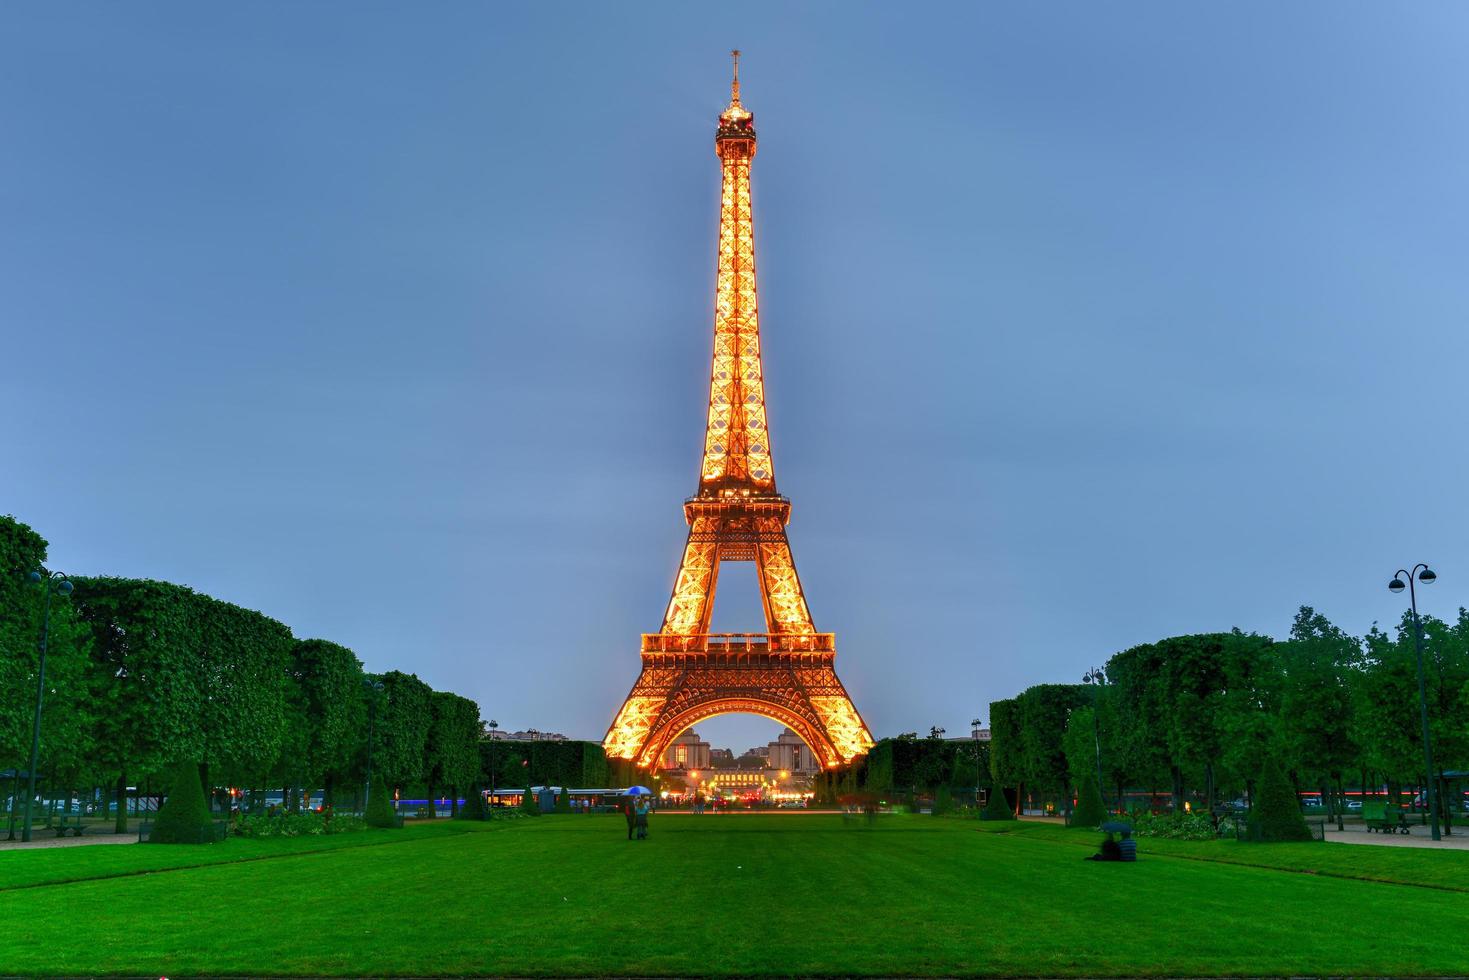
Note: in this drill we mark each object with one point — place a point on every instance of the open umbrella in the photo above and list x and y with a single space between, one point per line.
1116 826
637 791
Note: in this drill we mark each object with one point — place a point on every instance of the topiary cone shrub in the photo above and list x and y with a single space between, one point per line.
943 801
529 803
184 817
1089 810
995 808
474 805
380 811
1276 815
563 802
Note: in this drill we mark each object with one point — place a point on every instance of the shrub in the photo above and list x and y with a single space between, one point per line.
1089 810
1276 815
943 801
474 805
563 802
1173 826
296 824
380 812
995 808
529 803
184 817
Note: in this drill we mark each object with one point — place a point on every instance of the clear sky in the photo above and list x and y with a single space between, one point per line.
1084 324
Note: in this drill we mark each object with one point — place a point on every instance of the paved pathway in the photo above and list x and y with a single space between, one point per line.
1416 837
41 837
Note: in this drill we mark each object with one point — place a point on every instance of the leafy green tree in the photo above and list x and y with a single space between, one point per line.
1007 764
451 751
146 686
326 715
67 720
474 805
184 816
1318 665
403 720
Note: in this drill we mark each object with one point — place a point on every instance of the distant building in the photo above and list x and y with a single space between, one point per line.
688 751
529 735
790 753
721 758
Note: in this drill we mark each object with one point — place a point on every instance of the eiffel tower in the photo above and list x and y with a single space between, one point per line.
786 673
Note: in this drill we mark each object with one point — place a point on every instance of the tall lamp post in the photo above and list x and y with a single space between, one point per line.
56 583
493 726
1425 575
1098 677
974 727
373 688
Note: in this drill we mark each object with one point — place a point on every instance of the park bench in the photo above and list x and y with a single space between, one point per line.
1384 817
70 823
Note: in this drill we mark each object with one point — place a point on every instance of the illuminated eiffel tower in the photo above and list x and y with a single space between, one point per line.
788 672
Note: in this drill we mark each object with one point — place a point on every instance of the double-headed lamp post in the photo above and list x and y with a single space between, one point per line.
1097 676
55 583
373 688
1425 575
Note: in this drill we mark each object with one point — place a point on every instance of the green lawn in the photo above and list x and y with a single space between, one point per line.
727 894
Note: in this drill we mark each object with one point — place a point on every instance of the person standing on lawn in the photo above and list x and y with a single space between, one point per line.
641 808
627 810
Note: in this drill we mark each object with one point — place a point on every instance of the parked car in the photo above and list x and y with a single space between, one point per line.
1353 804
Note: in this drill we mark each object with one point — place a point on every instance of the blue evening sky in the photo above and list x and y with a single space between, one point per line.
1085 324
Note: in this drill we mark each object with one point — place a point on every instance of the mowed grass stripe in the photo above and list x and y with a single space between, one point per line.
51 866
1444 870
569 895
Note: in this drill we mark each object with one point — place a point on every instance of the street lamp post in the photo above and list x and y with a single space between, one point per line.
1425 575
493 726
1098 677
373 688
974 727
56 583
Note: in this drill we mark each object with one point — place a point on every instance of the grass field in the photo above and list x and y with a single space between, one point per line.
731 894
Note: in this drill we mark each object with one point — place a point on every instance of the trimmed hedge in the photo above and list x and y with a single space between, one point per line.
380 811
1276 815
184 817
1089 810
996 808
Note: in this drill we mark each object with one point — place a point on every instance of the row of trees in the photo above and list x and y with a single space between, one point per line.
141 675
1199 715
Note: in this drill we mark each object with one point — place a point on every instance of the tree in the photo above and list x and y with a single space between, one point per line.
403 719
1006 751
184 816
67 722
1043 710
326 712
1318 665
996 808
451 751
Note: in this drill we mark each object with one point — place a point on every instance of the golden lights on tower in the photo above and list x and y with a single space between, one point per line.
737 514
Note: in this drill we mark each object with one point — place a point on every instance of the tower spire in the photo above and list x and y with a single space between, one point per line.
734 86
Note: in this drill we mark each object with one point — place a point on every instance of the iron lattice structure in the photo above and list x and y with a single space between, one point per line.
788 672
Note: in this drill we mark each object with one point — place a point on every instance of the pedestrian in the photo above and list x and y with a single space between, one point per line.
1127 846
641 808
627 809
